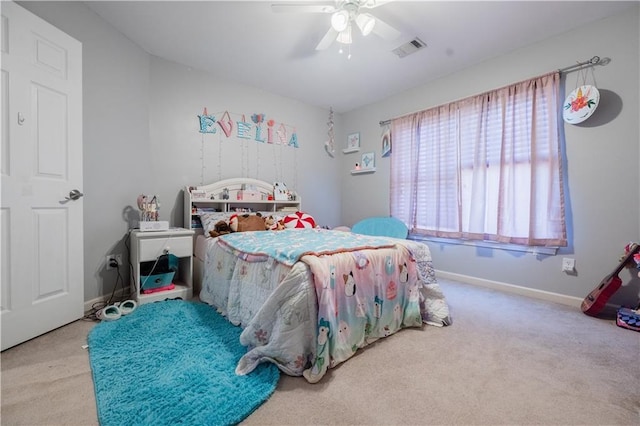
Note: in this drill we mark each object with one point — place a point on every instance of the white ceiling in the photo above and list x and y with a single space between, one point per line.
244 41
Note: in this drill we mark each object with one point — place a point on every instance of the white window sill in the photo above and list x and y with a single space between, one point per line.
549 251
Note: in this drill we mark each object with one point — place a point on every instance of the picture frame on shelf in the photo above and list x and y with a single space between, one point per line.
368 161
198 194
353 141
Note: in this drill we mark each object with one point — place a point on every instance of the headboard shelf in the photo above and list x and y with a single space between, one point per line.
237 193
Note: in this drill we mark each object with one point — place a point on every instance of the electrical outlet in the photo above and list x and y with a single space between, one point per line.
113 257
568 264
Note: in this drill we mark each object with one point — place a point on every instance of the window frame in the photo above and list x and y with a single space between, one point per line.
414 128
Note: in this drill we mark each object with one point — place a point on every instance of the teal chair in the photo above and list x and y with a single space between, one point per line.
381 226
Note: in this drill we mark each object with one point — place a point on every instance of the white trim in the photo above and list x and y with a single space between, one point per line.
511 288
548 296
550 251
88 304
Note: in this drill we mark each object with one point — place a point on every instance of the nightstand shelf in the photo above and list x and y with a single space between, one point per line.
148 246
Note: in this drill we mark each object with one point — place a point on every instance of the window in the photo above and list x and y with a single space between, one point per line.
485 168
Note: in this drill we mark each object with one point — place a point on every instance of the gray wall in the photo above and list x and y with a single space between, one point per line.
179 94
141 135
602 160
115 132
140 132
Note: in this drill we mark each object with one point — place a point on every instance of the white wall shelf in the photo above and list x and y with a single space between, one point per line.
361 171
350 150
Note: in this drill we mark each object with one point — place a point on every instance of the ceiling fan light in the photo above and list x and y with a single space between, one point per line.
345 36
340 20
365 22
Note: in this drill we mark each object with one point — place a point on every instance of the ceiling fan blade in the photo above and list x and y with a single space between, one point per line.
371 4
327 40
385 30
319 7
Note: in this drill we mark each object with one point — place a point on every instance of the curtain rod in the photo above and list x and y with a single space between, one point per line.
596 60
593 61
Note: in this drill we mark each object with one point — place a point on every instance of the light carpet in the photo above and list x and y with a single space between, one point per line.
173 362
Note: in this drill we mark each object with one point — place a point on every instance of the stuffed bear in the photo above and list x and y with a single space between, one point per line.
247 222
220 228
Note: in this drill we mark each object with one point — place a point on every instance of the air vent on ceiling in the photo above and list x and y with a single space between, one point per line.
409 47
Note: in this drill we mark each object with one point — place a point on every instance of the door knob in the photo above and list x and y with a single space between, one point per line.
74 195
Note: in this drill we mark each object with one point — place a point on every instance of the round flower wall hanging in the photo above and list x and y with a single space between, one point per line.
580 104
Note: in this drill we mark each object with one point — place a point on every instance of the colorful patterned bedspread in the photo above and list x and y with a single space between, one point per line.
362 296
325 307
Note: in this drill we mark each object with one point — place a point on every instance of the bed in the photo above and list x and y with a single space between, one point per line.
308 299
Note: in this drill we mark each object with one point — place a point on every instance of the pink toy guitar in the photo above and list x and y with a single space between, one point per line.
595 301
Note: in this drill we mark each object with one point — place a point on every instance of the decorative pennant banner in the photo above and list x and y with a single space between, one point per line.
276 133
207 122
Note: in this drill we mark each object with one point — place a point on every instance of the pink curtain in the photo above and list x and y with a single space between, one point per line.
483 168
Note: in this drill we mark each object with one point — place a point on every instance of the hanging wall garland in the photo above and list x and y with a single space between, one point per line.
330 143
202 166
277 133
235 128
258 120
219 158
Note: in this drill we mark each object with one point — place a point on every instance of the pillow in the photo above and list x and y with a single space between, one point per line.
385 226
299 220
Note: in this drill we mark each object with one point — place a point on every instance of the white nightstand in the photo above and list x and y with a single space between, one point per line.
149 245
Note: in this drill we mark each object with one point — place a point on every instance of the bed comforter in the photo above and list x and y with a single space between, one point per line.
309 299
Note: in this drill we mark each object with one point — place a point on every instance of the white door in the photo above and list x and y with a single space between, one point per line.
41 258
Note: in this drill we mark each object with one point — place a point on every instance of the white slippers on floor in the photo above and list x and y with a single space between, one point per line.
127 306
115 311
109 313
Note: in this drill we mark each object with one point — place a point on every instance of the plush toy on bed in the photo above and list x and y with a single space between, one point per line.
272 224
247 222
220 228
299 220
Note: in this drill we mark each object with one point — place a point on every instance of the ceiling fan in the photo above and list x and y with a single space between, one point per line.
345 14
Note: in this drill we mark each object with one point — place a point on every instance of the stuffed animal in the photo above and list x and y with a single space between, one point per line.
220 228
269 222
247 222
272 224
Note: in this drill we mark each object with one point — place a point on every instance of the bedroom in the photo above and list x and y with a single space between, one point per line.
141 136
138 105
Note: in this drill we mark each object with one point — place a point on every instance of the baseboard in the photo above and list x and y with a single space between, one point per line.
118 295
467 279
511 288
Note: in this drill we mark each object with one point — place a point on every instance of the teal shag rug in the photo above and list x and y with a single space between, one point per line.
173 362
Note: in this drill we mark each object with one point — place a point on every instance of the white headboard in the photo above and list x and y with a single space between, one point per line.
243 193
234 185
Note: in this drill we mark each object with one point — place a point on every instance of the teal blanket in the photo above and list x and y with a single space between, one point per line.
289 245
